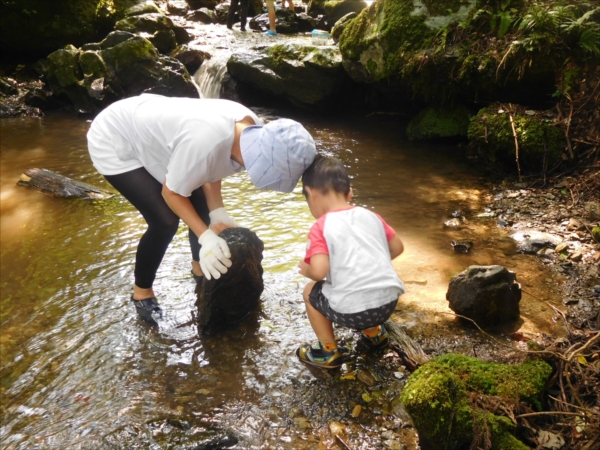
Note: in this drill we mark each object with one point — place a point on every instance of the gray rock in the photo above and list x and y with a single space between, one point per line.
147 23
192 59
197 4
489 295
531 241
202 15
232 297
178 8
115 38
164 41
147 7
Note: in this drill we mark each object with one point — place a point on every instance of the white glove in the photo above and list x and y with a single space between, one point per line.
214 255
219 215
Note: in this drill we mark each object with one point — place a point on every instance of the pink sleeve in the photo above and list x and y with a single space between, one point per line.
316 241
389 231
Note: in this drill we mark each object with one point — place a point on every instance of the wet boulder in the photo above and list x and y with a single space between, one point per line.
202 15
439 123
191 58
147 23
227 300
197 4
127 65
453 401
164 41
488 295
178 7
304 75
147 7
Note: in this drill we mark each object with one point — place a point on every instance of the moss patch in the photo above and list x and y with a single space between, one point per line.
492 139
434 123
445 396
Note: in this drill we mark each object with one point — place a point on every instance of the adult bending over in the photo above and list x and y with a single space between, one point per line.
167 156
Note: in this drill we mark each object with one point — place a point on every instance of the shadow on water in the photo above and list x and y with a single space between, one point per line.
79 370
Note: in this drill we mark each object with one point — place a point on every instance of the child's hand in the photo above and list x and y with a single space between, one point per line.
303 268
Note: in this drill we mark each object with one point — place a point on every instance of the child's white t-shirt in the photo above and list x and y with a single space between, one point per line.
361 275
185 141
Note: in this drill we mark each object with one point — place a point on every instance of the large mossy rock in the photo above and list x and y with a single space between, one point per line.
436 123
126 65
304 75
492 138
455 400
34 28
417 49
227 300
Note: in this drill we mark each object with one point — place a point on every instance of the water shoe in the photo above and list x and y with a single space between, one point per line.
271 33
148 310
316 356
380 341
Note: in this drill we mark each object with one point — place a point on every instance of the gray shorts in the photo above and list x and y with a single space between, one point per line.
356 321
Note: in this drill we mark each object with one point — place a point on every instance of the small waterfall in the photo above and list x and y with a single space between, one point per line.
210 76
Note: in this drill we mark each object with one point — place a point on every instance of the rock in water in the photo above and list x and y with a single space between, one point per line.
57 185
489 295
233 296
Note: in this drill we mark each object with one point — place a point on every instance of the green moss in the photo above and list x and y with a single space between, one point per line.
128 53
437 8
63 67
438 398
491 138
92 65
596 233
439 123
390 26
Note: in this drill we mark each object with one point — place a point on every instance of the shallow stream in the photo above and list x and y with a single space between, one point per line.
79 370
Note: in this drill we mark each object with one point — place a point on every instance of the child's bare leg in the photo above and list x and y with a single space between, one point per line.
321 325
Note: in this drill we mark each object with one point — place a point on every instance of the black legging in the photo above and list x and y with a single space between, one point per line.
145 193
243 13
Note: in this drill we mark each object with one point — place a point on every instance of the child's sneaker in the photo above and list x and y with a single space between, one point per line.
316 356
271 33
380 341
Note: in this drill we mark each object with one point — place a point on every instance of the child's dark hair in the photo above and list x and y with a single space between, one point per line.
326 173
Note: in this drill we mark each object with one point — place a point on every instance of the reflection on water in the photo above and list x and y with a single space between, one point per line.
79 369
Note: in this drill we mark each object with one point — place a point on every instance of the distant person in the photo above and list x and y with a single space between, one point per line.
167 156
243 13
272 17
348 257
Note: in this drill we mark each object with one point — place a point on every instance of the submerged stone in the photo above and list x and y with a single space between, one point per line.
227 300
453 399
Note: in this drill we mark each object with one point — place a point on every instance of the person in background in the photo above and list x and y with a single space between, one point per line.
167 157
348 257
243 13
272 17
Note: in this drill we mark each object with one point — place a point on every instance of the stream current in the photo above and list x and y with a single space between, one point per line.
79 370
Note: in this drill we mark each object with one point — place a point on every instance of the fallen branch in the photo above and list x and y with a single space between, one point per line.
512 124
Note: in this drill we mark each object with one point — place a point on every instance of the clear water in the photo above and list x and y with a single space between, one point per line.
79 370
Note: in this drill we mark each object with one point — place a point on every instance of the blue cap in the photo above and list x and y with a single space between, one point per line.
277 154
